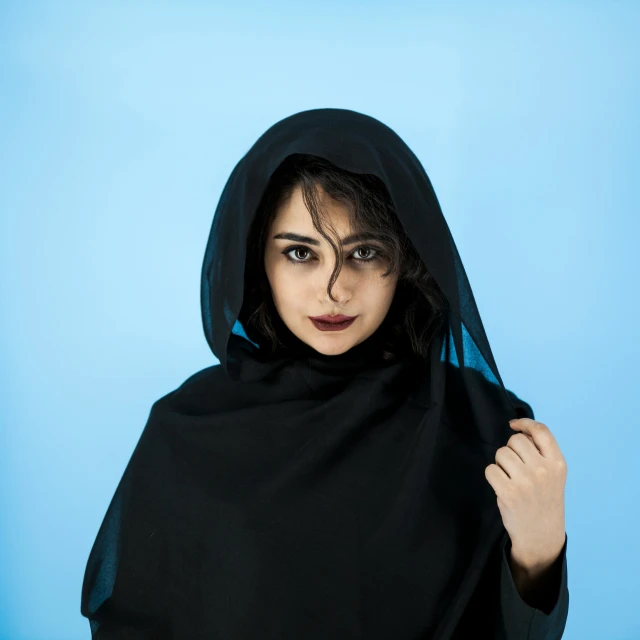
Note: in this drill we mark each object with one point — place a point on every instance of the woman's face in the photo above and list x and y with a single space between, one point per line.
299 272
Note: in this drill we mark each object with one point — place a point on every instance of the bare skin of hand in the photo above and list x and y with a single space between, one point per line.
529 479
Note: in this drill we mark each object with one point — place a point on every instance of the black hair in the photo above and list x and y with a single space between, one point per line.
419 307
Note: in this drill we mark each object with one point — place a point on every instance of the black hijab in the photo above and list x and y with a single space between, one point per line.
291 494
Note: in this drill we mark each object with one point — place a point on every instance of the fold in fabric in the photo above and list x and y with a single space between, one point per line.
518 619
300 496
497 611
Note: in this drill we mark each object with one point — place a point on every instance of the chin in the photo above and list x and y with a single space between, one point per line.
328 349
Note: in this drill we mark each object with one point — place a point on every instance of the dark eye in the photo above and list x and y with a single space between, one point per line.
367 250
298 260
296 250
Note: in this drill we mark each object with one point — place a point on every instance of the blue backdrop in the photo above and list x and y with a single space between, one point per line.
120 123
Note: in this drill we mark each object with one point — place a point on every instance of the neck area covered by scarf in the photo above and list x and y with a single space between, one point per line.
292 494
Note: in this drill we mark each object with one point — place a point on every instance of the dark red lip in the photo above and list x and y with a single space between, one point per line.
332 318
334 323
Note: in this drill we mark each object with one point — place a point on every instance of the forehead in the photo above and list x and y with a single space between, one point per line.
295 216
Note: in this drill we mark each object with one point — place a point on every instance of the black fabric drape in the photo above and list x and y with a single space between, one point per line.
312 496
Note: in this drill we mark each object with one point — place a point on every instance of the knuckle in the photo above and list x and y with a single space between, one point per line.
541 471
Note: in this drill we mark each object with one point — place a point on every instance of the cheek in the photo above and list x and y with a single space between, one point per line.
285 285
384 296
380 289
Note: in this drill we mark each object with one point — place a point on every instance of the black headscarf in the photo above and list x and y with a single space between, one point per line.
292 494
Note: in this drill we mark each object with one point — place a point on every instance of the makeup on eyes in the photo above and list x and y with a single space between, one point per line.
375 257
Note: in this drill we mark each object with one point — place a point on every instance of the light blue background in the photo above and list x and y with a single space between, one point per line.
120 123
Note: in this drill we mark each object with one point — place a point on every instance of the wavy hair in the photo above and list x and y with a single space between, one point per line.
419 307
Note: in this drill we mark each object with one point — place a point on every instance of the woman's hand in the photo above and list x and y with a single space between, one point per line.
529 480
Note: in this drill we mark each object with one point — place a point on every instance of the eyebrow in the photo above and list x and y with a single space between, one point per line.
356 237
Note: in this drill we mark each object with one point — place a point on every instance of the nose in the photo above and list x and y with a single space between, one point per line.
341 290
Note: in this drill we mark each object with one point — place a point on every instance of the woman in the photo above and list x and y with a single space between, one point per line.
335 480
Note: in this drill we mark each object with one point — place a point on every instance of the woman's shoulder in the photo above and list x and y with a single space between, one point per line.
204 391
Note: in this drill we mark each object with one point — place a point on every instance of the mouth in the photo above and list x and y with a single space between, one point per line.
332 323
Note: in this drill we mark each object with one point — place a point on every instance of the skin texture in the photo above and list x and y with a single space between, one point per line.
529 479
300 289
